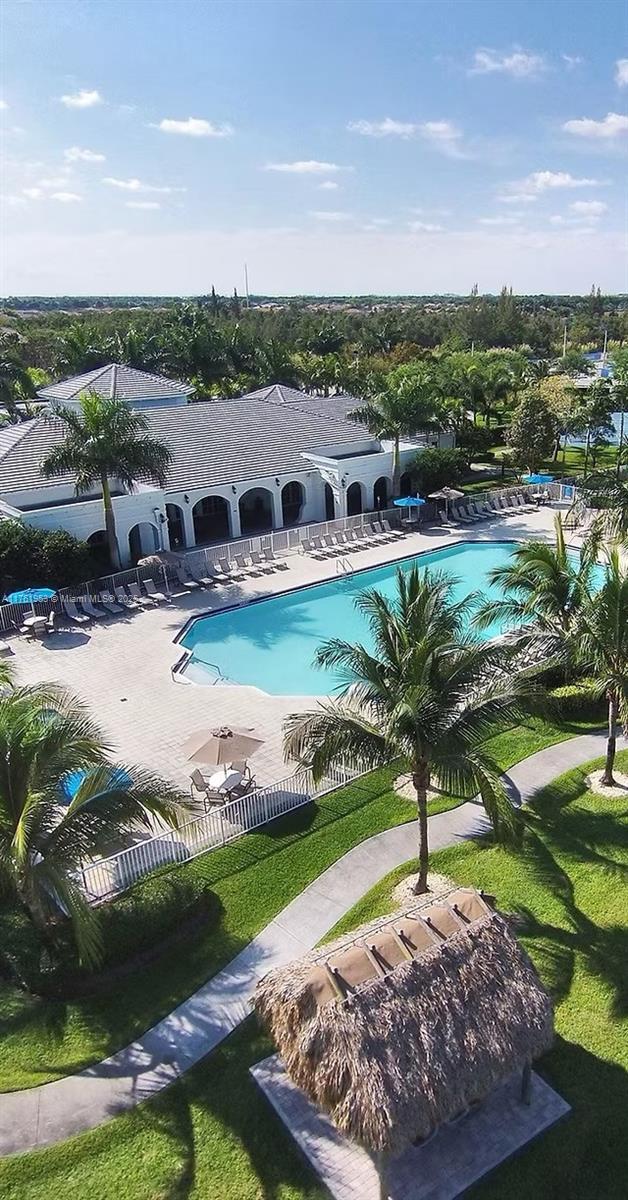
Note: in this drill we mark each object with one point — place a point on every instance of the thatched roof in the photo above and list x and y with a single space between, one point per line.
401 1026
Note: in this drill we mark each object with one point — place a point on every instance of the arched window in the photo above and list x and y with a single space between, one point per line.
354 499
211 519
256 511
380 493
292 501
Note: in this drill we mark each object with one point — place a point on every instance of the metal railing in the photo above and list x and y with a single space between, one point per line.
108 877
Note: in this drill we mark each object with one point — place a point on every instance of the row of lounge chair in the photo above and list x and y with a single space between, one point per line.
502 506
230 570
361 537
123 599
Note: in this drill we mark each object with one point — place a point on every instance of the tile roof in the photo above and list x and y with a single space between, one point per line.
278 393
116 380
213 443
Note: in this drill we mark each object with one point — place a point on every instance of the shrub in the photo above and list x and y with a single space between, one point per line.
434 469
476 440
53 558
578 701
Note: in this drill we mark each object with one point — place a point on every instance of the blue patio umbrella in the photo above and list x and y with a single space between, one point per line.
409 502
71 782
30 596
538 478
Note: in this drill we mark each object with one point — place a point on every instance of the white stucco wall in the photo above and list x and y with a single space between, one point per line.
85 517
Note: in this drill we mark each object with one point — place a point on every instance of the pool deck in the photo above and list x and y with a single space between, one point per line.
122 667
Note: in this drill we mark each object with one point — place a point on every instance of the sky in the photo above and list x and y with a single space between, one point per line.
335 146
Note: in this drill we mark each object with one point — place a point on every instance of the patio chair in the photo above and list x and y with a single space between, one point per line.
228 569
152 591
96 614
198 783
50 626
247 783
470 515
395 533
191 585
278 563
72 613
215 573
203 580
526 505
245 565
140 599
111 605
380 532
258 561
125 600
477 510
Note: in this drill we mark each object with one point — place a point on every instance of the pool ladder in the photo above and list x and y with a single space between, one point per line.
343 567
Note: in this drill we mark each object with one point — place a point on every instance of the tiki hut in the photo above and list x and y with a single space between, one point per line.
410 1021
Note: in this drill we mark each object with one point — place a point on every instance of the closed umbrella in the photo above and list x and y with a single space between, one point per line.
217 747
447 494
411 502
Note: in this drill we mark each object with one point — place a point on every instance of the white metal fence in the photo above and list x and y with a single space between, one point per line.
108 877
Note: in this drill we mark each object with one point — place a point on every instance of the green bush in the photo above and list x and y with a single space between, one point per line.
476 440
578 701
434 469
52 558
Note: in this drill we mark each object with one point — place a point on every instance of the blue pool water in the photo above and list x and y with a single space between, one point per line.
271 644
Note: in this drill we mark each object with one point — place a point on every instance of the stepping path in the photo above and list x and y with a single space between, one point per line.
40 1116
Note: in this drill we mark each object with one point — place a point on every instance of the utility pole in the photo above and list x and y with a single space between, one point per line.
246 285
605 347
564 338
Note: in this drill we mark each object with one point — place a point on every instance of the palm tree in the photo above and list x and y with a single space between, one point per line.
544 587
608 492
80 349
498 385
602 648
16 386
393 412
46 735
106 440
427 695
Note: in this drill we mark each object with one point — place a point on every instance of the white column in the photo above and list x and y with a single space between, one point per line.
277 509
236 528
188 523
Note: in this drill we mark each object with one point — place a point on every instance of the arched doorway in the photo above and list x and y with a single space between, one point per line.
380 493
99 547
176 526
256 511
211 520
330 503
405 484
354 500
143 539
292 501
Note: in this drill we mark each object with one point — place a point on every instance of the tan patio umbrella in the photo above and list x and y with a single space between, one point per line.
447 494
216 747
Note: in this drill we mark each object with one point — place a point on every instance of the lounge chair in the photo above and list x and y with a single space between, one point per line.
381 533
477 510
278 563
229 570
72 613
125 600
111 605
144 601
152 591
245 565
526 506
96 614
191 585
396 533
203 580
469 513
462 515
258 562
198 783
330 544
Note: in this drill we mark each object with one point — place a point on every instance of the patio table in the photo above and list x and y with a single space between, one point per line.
225 779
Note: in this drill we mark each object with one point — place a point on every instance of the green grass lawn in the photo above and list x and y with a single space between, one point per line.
251 880
213 1135
571 463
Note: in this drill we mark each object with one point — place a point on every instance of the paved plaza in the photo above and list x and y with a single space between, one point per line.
122 667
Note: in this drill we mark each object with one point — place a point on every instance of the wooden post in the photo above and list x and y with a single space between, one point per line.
526 1084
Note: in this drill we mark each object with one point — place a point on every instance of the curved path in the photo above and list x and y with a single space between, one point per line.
39 1116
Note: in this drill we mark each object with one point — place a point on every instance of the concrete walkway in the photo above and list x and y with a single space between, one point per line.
41 1116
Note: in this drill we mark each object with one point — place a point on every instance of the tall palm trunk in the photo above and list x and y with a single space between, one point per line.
611 742
621 441
110 524
421 781
396 467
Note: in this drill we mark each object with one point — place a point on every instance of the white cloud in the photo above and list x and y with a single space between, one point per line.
520 64
517 198
82 99
75 154
65 197
328 186
621 72
143 204
327 215
136 185
33 193
196 127
514 220
589 208
57 181
3 106
612 125
442 135
572 60
385 128
424 227
309 166
543 181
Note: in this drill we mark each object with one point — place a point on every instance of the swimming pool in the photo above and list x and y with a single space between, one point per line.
270 644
